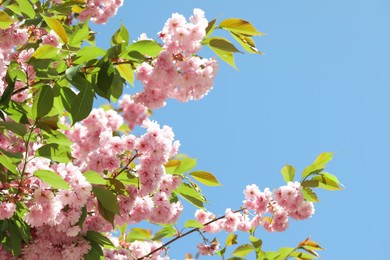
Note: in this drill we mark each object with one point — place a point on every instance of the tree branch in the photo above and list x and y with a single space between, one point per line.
185 234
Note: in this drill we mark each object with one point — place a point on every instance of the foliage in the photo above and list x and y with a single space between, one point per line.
71 174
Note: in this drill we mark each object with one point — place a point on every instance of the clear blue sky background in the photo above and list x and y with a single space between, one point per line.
322 85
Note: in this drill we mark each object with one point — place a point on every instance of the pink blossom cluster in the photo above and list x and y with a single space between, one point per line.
135 250
133 113
270 209
177 73
100 10
208 249
9 39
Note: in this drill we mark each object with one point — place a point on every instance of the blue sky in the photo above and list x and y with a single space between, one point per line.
322 85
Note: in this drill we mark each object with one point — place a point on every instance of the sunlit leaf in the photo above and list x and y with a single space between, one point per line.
231 239
94 177
206 178
57 27
288 173
53 179
243 250
5 20
192 223
126 72
237 25
186 164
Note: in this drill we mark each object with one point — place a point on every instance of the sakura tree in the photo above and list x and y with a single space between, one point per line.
72 174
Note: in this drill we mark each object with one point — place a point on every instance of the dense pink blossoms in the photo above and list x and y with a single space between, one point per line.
176 73
100 10
269 209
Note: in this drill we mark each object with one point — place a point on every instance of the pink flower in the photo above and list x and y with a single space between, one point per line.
7 210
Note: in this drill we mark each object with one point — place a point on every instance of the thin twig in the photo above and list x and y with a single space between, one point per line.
185 234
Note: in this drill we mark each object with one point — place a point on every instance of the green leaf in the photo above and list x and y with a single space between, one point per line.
8 163
326 183
310 183
88 53
145 47
44 102
226 56
5 20
220 43
243 250
231 239
98 238
192 223
256 242
285 252
190 194
74 76
138 234
288 173
94 177
186 164
301 255
16 128
27 8
68 98
15 9
55 152
210 27
84 214
105 79
53 179
120 36
205 177
57 137
46 51
107 198
57 27
330 176
309 195
8 92
95 253
126 72
80 34
246 42
82 105
237 25
323 158
106 214
16 239
312 170
165 232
